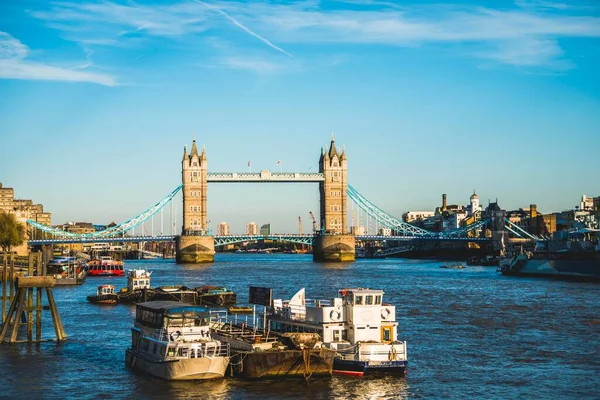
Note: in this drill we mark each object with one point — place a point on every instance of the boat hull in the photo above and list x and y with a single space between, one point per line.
217 299
284 363
103 299
179 370
584 270
361 368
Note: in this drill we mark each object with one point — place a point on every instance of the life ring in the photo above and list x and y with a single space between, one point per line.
334 315
175 335
385 313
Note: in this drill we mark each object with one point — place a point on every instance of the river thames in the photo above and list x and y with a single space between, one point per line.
470 333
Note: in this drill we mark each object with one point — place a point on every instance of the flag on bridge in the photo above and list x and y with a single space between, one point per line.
248 163
278 162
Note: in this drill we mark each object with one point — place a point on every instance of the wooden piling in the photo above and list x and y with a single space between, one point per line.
4 278
29 308
22 302
38 299
58 326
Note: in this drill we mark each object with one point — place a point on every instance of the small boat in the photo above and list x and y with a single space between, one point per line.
138 287
105 266
105 294
67 271
215 296
453 266
173 341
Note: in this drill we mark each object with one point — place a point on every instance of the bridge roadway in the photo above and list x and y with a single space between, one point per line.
265 176
225 240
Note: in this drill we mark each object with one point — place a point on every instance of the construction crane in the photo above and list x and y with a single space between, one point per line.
299 225
315 229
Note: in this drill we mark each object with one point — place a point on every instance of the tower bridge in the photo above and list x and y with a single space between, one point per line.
335 243
331 241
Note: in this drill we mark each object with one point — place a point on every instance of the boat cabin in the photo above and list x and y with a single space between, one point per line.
357 315
105 289
138 279
171 330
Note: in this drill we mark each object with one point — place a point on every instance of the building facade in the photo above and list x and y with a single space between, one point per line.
265 230
252 229
24 210
223 229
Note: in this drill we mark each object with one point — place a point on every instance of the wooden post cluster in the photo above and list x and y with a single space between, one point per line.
28 291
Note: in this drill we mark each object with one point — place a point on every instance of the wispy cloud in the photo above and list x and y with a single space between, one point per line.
244 28
15 65
248 63
527 33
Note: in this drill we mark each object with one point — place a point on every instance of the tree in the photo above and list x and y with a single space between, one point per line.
12 233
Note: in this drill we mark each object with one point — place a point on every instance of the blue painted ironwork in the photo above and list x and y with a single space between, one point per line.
464 229
117 233
114 231
518 231
265 176
292 238
384 218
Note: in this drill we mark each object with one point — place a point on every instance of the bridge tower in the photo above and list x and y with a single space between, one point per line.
195 245
333 242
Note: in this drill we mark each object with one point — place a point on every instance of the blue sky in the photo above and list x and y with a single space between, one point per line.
97 100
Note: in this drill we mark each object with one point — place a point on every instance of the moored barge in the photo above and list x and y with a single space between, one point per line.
173 341
257 354
357 325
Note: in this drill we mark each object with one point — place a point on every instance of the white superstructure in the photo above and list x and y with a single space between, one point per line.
358 324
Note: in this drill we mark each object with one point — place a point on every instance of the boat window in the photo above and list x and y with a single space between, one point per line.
171 352
183 352
336 335
369 299
386 334
154 348
377 299
344 334
358 300
192 353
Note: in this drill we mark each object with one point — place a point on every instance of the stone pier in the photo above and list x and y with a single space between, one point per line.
195 249
334 248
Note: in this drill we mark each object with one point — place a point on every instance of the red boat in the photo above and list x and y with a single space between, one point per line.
105 266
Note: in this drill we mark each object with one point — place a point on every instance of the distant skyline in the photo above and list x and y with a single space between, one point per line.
98 99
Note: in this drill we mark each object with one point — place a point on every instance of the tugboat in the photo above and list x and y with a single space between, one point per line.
358 325
105 294
172 341
138 287
215 296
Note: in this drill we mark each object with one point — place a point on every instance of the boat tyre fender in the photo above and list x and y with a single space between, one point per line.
175 335
385 313
219 301
335 315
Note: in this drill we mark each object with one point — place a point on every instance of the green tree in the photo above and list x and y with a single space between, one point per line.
12 233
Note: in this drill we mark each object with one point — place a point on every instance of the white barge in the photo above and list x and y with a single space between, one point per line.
358 325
